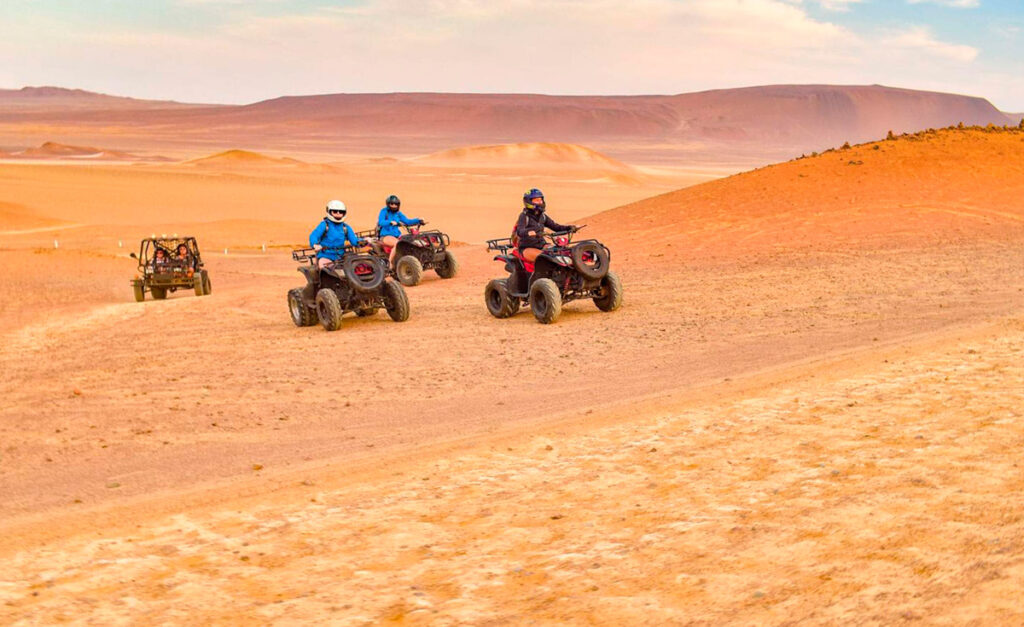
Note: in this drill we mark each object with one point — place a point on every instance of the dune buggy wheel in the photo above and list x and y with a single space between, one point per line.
545 301
499 303
197 285
139 291
159 293
207 287
611 293
409 270
328 309
447 267
302 315
395 301
590 260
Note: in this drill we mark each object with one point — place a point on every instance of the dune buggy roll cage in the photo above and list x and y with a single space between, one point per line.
170 247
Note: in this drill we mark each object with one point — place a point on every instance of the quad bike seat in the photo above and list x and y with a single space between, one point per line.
527 265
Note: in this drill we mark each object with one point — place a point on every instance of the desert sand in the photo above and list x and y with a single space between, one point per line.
808 407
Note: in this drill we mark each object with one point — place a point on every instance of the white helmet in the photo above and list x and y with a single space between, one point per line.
336 211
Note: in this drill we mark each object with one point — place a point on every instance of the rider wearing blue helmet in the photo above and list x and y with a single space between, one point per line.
388 220
529 229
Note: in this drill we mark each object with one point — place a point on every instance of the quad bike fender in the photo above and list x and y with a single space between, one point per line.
309 272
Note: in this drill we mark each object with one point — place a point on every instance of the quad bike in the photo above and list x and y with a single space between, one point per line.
417 251
171 273
563 272
357 282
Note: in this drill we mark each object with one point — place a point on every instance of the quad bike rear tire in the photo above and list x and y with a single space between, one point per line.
395 301
409 270
139 291
363 285
159 293
328 309
611 288
302 314
207 286
447 267
545 301
499 303
599 268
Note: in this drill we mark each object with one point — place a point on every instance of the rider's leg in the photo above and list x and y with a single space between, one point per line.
391 242
530 254
323 262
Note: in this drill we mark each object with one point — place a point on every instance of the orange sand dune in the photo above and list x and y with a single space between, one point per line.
526 155
243 159
57 151
935 186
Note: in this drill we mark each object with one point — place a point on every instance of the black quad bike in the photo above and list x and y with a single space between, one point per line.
169 273
357 282
417 251
563 272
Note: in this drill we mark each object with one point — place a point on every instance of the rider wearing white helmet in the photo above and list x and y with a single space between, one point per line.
330 236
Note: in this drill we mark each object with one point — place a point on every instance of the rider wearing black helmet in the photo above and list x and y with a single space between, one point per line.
388 220
529 230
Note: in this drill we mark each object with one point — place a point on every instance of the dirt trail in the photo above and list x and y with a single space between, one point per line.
857 488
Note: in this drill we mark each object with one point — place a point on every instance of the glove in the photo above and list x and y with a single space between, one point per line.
421 221
573 228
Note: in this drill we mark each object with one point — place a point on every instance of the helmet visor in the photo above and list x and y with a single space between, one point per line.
337 212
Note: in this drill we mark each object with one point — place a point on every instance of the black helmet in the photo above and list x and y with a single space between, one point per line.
530 196
393 200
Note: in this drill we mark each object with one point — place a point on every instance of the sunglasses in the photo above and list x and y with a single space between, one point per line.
393 205
338 212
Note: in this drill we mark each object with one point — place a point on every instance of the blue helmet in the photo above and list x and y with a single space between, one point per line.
530 197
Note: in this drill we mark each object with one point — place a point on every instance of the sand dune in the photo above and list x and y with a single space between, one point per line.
807 408
751 125
56 151
933 186
527 155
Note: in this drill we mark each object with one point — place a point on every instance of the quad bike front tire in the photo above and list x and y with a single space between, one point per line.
302 314
207 286
328 309
611 293
409 270
499 303
159 293
139 291
545 301
597 267
363 285
395 301
447 267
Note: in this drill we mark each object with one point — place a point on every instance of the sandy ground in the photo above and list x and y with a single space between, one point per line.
739 443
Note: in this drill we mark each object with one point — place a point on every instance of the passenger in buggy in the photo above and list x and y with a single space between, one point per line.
183 258
160 259
528 235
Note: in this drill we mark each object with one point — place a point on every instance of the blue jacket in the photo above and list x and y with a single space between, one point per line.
332 235
387 216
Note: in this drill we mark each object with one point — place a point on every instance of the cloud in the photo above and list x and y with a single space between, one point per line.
919 38
959 4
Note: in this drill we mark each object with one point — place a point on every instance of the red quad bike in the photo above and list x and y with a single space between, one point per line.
564 271
417 251
358 283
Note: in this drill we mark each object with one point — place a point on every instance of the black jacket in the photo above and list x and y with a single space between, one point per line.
533 221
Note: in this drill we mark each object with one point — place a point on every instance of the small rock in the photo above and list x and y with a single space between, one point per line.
113 484
76 392
257 466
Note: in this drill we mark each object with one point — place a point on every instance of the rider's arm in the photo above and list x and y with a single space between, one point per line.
407 221
523 227
381 218
350 235
317 234
554 226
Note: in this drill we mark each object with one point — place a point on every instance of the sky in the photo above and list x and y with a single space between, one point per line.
240 51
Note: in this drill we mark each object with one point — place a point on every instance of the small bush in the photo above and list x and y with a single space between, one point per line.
891 136
846 146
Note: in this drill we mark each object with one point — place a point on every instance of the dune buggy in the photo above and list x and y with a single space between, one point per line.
418 250
356 283
163 269
563 272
